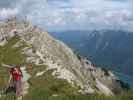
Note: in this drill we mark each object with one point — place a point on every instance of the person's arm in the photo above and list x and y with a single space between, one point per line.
4 65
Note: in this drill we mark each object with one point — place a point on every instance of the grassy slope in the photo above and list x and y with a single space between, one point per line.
45 87
9 55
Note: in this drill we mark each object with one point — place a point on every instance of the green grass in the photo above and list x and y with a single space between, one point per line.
45 86
10 55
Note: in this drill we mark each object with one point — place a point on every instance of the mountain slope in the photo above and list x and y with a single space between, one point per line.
51 63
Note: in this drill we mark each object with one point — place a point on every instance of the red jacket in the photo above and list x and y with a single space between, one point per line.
16 75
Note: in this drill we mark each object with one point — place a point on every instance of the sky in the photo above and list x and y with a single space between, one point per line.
56 15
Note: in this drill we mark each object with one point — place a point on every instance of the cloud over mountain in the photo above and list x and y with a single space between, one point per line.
73 14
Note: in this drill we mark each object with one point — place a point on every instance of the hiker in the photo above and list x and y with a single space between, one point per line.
16 77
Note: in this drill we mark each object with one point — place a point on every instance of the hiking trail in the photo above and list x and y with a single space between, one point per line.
25 79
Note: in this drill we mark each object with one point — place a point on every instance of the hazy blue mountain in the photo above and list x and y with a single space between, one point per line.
113 49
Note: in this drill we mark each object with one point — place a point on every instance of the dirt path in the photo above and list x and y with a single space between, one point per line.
25 79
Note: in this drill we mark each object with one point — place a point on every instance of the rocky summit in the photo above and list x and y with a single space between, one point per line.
49 64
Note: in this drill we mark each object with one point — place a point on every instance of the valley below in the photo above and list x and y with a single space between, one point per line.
109 49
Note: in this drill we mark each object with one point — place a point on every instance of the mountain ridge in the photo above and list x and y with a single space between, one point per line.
40 49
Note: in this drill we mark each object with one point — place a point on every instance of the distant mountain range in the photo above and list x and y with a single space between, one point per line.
107 48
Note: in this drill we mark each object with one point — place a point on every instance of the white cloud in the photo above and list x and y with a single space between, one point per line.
4 13
80 14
